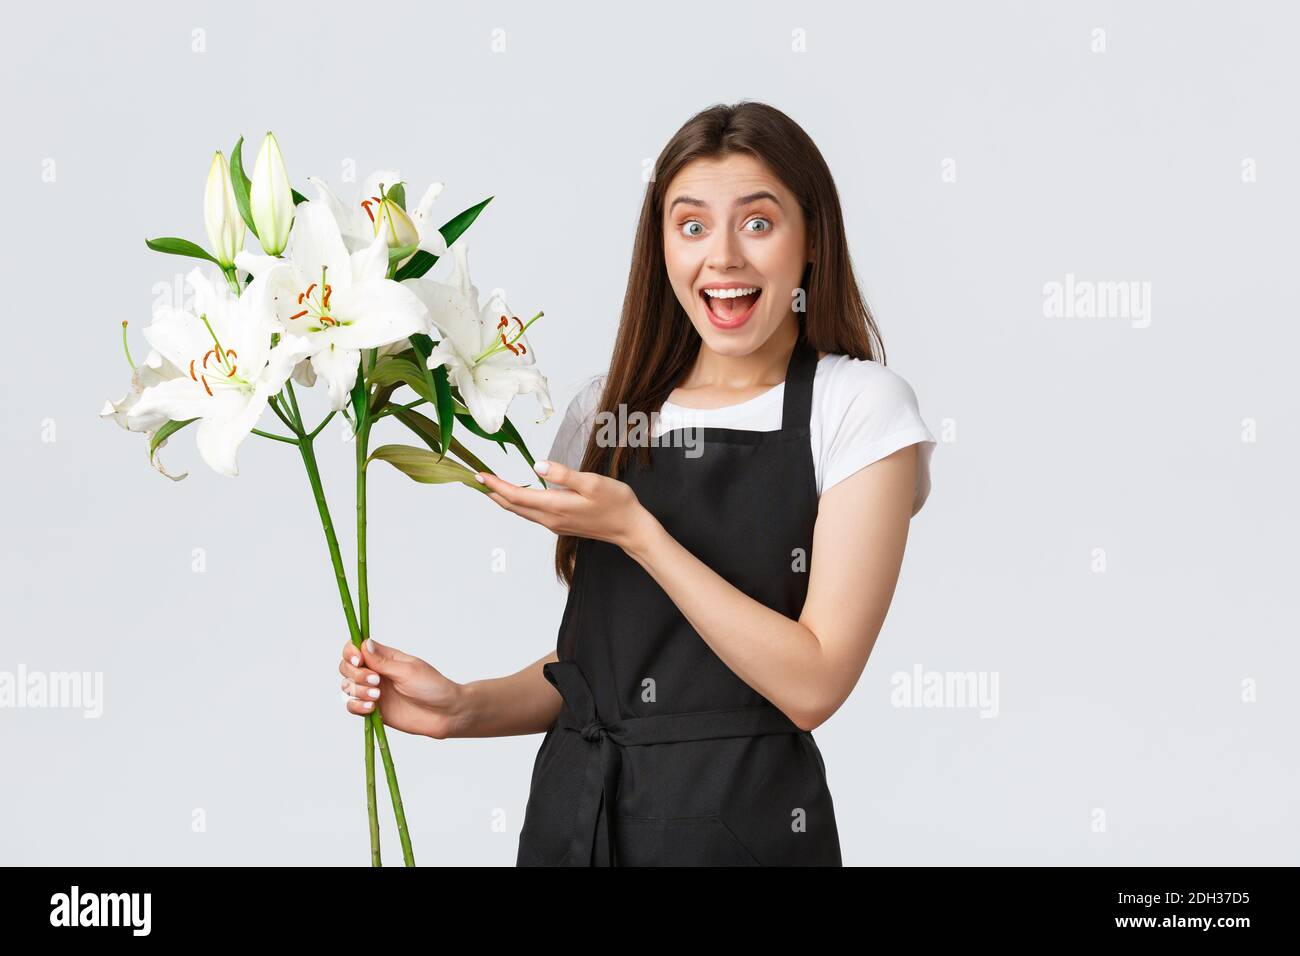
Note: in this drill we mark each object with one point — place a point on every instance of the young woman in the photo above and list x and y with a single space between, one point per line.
729 571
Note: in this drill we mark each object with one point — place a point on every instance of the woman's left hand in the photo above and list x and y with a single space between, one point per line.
589 505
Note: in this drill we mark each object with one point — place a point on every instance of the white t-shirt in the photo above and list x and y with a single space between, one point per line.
862 411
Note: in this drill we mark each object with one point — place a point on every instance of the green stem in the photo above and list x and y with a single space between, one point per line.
318 428
232 280
293 400
283 438
275 407
388 410
349 612
363 599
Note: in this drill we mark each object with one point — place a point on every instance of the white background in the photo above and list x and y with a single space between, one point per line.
1121 693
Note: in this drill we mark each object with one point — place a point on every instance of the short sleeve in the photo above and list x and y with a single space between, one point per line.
571 438
878 415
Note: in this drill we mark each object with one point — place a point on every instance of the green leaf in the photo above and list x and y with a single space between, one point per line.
239 181
452 230
298 198
425 466
507 434
420 263
466 419
455 227
422 343
382 394
394 370
427 430
170 428
397 193
437 382
398 253
359 395
179 247
442 387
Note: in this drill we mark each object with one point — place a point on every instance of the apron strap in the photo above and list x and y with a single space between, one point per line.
796 407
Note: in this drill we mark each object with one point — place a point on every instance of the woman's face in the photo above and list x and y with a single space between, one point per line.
730 224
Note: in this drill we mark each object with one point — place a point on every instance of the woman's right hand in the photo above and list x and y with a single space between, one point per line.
412 695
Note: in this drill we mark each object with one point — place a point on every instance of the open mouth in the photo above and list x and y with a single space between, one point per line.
729 308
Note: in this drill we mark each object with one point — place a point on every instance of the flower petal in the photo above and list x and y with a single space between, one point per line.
256 264
338 367
219 437
376 312
179 399
158 463
304 374
451 313
491 389
372 261
318 243
178 336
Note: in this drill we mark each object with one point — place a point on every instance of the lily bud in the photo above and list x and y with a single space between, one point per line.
271 197
221 216
398 228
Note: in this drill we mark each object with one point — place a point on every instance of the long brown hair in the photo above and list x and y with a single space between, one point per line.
656 342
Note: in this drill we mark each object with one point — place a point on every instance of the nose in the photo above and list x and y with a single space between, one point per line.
724 251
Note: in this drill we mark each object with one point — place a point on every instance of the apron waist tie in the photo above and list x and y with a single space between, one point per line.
607 739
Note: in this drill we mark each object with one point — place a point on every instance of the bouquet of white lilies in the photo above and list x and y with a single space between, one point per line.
338 295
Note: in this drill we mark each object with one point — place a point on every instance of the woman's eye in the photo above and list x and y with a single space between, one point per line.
686 227
766 224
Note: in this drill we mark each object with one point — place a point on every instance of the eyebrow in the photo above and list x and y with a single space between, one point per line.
742 201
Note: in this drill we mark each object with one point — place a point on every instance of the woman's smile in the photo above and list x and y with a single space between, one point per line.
729 305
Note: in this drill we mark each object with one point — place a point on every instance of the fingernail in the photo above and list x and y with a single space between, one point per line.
478 476
355 660
372 679
368 704
541 467
370 645
373 692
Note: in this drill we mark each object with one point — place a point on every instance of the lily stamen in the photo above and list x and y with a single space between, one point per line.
126 348
223 363
316 299
513 344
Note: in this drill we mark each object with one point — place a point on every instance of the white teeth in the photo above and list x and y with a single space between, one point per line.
728 293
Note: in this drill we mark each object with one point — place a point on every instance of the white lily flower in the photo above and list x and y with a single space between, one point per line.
336 302
154 370
373 212
487 356
270 197
225 226
228 368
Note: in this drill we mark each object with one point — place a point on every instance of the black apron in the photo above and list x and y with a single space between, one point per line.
661 755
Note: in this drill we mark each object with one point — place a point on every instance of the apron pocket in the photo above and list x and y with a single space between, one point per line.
680 841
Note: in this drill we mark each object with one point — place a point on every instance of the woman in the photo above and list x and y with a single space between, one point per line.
701 642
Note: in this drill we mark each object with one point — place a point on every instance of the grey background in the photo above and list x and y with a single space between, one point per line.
1119 692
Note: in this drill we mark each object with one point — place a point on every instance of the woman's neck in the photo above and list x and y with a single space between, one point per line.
714 379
